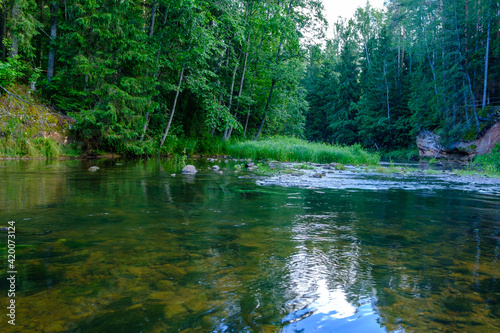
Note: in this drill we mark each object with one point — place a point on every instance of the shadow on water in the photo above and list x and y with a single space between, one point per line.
131 248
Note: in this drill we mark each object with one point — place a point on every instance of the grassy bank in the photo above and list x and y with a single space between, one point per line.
286 149
32 148
489 163
29 129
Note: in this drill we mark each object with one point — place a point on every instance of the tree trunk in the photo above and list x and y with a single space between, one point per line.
145 128
241 84
367 56
387 98
265 110
173 107
230 104
242 80
152 24
14 14
486 59
40 38
467 75
273 83
3 31
157 72
252 85
430 63
53 35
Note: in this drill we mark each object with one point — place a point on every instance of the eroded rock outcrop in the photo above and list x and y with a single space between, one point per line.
430 146
487 142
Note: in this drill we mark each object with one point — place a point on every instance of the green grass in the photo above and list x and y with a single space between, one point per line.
205 145
30 147
489 164
405 154
287 149
24 128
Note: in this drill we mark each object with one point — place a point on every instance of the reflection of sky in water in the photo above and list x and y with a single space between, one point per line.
217 253
331 312
320 280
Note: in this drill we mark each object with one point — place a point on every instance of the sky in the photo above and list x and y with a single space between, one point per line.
346 8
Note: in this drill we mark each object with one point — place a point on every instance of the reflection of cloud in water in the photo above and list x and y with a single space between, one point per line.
323 283
333 303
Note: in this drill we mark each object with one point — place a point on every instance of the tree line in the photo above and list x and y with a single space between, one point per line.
140 76
417 65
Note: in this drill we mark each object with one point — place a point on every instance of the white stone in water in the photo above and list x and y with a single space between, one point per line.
93 168
189 169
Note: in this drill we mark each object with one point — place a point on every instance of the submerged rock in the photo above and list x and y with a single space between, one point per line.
93 168
189 169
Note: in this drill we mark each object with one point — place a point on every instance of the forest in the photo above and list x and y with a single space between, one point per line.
157 76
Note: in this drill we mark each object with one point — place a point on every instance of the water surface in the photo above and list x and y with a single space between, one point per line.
131 248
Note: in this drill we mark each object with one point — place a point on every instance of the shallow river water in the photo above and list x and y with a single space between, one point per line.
131 248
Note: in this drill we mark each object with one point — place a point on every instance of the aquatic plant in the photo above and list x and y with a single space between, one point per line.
287 149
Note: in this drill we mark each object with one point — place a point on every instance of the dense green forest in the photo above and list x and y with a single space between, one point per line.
420 65
139 76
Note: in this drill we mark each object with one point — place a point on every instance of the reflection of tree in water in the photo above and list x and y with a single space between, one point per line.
30 184
429 262
221 253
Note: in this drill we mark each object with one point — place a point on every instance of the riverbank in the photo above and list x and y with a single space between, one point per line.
269 167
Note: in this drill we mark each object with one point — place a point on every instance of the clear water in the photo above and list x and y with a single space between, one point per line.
130 248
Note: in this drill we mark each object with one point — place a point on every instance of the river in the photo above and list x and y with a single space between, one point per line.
133 248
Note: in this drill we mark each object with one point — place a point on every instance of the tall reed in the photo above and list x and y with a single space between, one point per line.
288 149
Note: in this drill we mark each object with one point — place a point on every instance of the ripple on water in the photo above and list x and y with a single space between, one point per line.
348 180
330 310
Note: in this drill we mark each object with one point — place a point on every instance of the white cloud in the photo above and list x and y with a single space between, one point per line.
346 9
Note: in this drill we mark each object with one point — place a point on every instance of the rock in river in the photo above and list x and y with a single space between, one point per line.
93 168
190 169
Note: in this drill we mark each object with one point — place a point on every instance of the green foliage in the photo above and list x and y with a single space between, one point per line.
490 163
418 67
405 154
30 147
382 78
11 70
288 149
26 129
180 160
